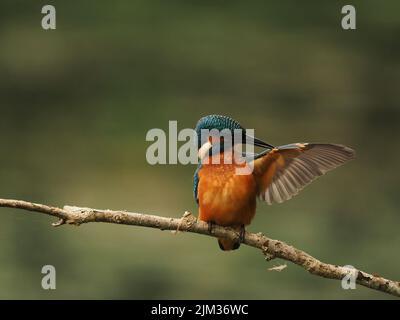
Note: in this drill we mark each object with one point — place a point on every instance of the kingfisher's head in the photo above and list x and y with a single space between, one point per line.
214 132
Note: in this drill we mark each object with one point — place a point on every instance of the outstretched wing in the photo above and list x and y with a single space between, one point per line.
285 170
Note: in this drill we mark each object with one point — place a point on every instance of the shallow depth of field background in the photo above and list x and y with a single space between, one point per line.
76 103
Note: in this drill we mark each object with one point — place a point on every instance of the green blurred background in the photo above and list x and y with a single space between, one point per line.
76 103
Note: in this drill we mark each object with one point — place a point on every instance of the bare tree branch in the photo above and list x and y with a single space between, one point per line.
188 223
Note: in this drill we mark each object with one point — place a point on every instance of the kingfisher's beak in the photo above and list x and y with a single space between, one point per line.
257 142
203 151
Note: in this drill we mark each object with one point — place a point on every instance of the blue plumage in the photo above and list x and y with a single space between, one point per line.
211 122
218 122
196 182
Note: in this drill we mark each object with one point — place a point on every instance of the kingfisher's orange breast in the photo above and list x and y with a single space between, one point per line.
224 197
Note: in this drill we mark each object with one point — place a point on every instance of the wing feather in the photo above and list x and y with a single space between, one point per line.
284 171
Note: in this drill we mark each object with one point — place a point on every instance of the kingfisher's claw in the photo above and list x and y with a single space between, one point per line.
242 234
210 226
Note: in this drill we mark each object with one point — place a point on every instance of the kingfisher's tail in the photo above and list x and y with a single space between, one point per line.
227 244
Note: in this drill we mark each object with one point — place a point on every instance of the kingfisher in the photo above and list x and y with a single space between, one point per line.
227 194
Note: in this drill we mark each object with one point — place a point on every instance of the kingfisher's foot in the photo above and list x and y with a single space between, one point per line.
211 225
242 233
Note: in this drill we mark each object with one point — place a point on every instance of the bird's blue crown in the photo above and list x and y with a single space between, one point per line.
216 122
